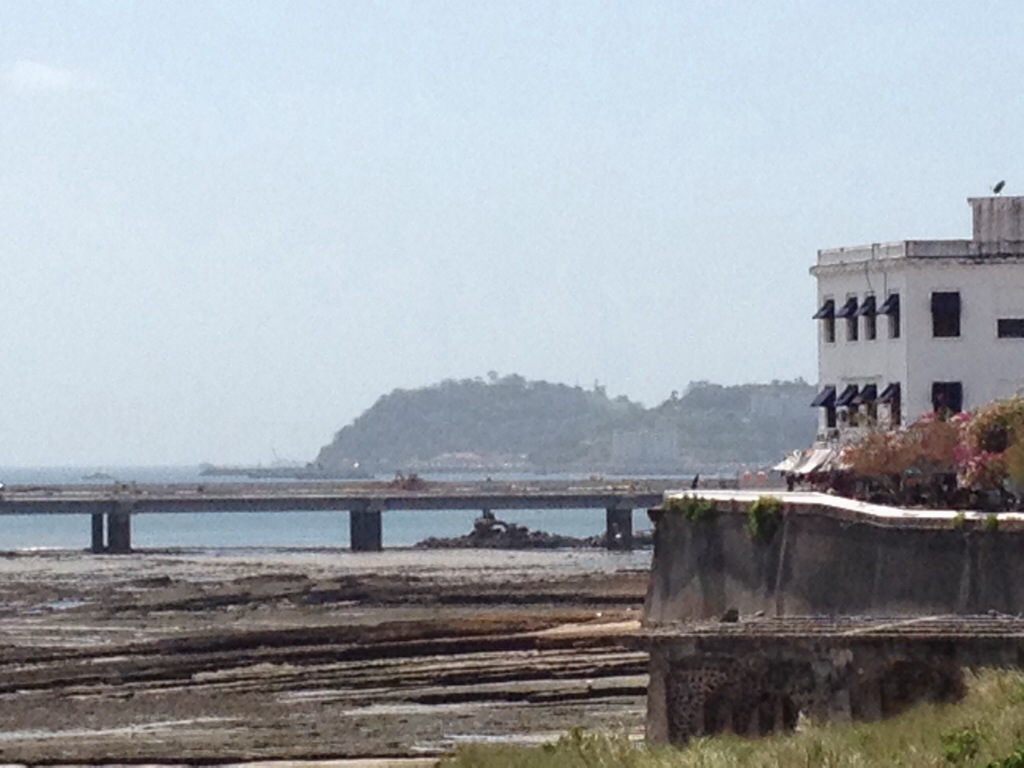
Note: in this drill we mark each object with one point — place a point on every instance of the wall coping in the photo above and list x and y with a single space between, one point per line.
812 502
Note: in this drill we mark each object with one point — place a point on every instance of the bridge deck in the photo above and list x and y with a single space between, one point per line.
262 497
112 506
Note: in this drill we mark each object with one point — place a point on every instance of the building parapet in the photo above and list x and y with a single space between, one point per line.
857 255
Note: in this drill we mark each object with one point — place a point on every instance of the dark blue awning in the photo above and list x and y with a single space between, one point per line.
827 310
848 396
867 307
849 309
825 399
868 394
890 393
891 306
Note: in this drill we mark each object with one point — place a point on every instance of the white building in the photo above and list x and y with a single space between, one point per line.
919 325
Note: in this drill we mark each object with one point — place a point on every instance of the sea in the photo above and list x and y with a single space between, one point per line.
272 531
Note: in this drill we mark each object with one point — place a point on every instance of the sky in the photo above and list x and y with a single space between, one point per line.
227 228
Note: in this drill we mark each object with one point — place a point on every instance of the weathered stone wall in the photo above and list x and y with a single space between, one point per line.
826 560
756 685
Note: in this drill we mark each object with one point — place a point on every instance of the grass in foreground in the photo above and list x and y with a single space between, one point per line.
985 729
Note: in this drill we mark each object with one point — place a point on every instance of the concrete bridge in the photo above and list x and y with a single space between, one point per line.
111 507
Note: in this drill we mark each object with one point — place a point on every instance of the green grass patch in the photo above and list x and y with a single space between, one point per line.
985 729
692 508
764 518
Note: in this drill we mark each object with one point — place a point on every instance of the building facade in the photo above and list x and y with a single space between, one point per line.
921 325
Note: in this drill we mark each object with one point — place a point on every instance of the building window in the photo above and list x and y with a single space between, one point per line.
867 401
848 401
867 311
827 315
827 399
891 307
945 314
1010 327
849 312
891 396
947 396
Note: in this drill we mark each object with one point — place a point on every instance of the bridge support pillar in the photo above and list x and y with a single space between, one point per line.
98 544
119 533
619 529
364 527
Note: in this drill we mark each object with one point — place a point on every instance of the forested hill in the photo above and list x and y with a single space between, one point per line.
514 424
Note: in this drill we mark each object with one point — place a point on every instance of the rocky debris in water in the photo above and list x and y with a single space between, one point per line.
491 533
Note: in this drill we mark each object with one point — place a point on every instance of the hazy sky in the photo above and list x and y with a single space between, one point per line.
227 227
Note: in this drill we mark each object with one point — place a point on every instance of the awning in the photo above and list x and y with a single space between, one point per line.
867 307
787 464
828 309
847 398
849 309
812 460
825 399
834 461
868 394
890 393
891 306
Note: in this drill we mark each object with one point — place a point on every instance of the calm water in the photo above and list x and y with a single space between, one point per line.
262 529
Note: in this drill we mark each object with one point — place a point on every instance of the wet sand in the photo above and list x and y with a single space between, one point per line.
238 656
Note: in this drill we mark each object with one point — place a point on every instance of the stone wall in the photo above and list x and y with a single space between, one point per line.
759 681
830 558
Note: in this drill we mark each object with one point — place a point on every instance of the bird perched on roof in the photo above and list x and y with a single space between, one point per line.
998 186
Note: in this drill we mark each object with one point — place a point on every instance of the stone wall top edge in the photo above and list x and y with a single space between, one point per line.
850 510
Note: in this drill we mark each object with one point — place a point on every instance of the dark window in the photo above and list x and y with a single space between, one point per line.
867 311
827 399
947 396
867 402
945 314
891 307
1010 328
849 312
827 315
891 395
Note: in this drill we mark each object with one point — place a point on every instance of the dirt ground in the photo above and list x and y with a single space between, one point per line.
242 656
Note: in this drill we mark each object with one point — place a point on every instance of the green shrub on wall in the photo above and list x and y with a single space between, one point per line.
764 518
693 509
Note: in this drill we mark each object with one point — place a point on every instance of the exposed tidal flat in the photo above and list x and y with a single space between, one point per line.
237 655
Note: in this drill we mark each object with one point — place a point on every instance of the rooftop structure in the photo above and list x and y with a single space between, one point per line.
921 325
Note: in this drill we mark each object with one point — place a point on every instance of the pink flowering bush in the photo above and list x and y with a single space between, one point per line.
984 449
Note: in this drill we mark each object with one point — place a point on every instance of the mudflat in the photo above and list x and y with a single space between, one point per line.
185 656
